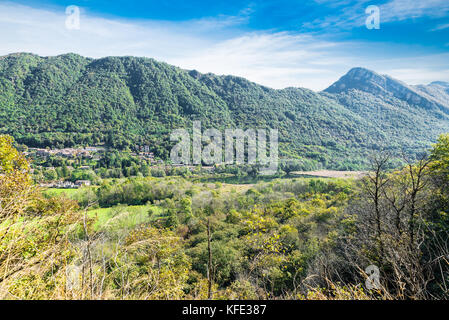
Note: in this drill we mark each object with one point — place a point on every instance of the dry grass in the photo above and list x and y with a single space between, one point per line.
332 174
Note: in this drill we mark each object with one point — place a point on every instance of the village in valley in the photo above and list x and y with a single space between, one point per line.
71 168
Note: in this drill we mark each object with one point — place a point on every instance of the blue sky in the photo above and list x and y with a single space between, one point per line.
275 43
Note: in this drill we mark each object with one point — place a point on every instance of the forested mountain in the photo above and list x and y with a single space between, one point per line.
438 90
125 101
408 116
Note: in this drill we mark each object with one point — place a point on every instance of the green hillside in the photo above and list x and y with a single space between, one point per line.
70 100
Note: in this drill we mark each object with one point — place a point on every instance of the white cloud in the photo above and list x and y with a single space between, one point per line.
351 14
419 75
273 59
440 27
418 70
398 10
277 60
43 32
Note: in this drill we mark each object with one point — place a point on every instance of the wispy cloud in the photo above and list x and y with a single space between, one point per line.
43 32
399 10
441 27
275 59
351 14
348 14
421 69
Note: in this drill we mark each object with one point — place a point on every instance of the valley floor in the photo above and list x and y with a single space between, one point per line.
332 174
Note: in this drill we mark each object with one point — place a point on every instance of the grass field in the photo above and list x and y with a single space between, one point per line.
57 192
123 216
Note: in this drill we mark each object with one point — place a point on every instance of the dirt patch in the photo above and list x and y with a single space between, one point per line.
332 174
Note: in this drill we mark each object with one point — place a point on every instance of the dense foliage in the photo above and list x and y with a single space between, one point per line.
149 238
70 100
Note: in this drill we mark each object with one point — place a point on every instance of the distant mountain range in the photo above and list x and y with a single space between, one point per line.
127 101
432 96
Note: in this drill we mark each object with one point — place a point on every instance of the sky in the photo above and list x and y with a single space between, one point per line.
284 43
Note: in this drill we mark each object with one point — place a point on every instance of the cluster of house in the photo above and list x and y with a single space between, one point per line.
66 184
69 153
143 152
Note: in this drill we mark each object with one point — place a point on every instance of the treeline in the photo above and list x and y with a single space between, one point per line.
70 100
286 238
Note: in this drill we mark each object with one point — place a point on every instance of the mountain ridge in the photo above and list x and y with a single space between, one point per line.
372 82
125 101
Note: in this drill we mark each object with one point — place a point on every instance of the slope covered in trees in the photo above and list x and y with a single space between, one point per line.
282 239
126 101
